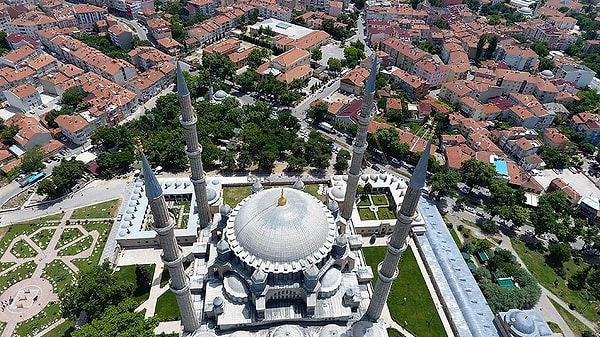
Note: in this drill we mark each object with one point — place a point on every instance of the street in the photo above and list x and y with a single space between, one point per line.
138 29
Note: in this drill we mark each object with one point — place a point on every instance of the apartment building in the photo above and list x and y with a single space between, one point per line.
23 97
434 73
87 15
577 73
120 36
588 123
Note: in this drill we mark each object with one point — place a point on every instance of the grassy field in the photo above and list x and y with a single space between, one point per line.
394 333
64 329
51 217
23 271
418 310
364 200
42 238
573 323
32 326
313 189
8 234
58 274
22 249
384 213
142 291
103 229
366 214
379 199
78 247
166 307
233 195
455 237
547 277
107 209
68 235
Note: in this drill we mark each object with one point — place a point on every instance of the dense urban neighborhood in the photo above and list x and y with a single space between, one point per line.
237 168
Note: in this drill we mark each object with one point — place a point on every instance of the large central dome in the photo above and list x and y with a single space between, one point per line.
281 235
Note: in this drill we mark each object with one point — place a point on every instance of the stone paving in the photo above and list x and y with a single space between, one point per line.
26 298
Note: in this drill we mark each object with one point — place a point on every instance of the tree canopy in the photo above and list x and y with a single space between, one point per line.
477 173
94 290
64 177
444 184
553 215
120 320
32 160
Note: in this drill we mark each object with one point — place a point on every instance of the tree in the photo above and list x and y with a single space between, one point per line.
73 96
318 112
120 320
218 65
546 64
257 57
480 45
64 177
441 24
95 289
492 45
8 133
554 158
553 215
353 56
559 253
473 4
142 276
32 160
503 199
477 173
316 54
443 184
541 48
341 161
334 65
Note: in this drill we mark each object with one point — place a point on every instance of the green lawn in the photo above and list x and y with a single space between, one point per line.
107 209
142 291
23 271
103 229
234 194
8 234
69 234
313 189
51 217
391 333
546 276
58 274
418 310
64 329
384 213
166 307
455 237
379 199
2 326
77 247
364 200
366 214
42 238
573 323
50 314
22 249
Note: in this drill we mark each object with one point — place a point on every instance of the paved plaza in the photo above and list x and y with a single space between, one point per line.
24 296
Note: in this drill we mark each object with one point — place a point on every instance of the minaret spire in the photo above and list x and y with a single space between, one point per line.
360 142
388 269
193 149
171 256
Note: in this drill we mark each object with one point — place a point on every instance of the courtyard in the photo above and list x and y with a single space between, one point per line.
39 258
375 207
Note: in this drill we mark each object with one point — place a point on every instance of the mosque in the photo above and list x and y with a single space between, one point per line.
281 263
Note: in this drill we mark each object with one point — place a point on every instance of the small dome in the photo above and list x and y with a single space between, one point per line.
122 233
337 178
331 280
257 187
215 182
130 210
333 206
124 225
212 195
220 94
135 197
127 217
225 209
364 177
259 276
338 192
522 322
218 301
367 329
222 246
345 178
299 185
330 330
402 185
287 331
373 177
139 184
383 176
136 191
132 203
234 287
547 73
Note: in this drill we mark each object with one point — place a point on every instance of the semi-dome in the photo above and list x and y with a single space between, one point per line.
547 73
287 331
219 95
212 195
522 322
338 193
278 234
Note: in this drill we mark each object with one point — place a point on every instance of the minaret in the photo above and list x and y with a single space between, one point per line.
360 142
388 269
193 149
171 256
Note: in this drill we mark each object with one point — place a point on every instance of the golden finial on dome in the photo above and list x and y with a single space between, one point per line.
138 143
281 201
